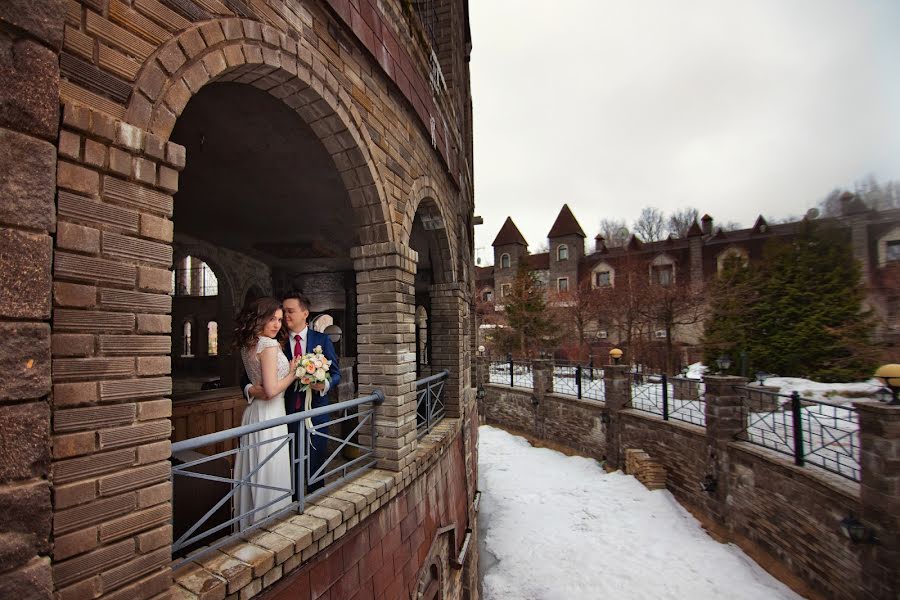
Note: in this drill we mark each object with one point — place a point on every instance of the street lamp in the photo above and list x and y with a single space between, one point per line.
761 377
615 354
856 531
889 375
724 363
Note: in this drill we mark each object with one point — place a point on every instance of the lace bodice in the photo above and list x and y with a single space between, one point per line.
250 357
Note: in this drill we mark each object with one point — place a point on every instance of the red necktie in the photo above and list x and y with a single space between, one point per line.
298 349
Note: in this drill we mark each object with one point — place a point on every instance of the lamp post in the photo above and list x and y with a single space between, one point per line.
889 375
615 354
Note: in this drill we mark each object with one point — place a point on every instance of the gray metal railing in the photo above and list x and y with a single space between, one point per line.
581 381
310 431
429 401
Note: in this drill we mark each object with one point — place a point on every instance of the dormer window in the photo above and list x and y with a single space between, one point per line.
892 251
504 261
562 252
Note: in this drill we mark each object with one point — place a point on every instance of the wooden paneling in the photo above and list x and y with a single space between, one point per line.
207 412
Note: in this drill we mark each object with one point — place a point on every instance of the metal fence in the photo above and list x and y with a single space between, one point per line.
581 381
514 373
677 398
429 401
214 528
812 432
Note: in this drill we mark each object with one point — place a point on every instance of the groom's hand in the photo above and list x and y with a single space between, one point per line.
319 387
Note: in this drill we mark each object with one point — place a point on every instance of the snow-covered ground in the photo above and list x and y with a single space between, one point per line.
554 527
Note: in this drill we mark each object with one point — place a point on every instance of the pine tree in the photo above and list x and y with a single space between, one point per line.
531 324
798 312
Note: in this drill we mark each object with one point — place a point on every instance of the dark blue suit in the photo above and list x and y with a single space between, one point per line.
294 400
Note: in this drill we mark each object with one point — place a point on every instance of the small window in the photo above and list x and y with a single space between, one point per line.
562 253
488 296
660 334
562 284
504 261
893 251
602 334
212 338
186 344
505 290
663 274
603 279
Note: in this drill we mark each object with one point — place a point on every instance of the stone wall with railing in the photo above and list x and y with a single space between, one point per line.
787 516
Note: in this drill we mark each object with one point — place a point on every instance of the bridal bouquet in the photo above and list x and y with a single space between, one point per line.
313 368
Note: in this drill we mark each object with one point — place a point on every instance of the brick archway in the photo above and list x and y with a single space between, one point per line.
248 52
424 195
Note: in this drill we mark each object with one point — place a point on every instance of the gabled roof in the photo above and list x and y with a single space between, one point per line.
509 234
694 230
566 224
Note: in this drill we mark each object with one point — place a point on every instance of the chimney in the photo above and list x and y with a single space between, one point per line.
706 224
599 245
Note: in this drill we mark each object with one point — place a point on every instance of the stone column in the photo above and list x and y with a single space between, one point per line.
695 245
617 393
542 384
879 440
386 338
449 349
31 34
724 420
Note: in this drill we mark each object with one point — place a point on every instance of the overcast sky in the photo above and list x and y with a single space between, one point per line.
735 107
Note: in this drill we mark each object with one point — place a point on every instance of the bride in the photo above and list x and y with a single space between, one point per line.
268 476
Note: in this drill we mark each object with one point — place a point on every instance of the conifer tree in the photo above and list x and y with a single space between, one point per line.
531 324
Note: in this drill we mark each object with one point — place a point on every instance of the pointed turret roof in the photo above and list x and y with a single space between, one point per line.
566 224
694 230
509 234
760 226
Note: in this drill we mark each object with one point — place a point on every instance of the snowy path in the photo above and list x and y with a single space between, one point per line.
557 527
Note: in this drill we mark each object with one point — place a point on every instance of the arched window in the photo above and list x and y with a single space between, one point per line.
662 270
195 278
212 338
729 256
504 261
562 252
186 342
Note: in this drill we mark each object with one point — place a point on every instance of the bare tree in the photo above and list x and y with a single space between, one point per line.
670 306
680 221
651 225
615 232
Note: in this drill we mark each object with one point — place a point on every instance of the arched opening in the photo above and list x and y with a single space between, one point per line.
423 343
562 252
504 261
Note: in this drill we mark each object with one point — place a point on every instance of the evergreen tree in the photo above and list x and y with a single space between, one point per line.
798 312
531 326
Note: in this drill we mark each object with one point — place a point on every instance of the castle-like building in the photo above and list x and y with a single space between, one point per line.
696 258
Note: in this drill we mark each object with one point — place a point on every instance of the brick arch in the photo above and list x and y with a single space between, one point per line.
246 51
423 194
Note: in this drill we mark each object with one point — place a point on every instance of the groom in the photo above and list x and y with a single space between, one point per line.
302 340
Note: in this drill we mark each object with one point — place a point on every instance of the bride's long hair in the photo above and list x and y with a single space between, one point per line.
250 321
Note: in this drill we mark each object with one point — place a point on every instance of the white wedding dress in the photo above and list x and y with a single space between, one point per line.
275 472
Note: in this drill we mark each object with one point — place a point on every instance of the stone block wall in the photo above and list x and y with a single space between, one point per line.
30 39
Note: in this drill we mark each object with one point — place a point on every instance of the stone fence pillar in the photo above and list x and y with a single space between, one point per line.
617 386
724 420
542 377
879 440
386 339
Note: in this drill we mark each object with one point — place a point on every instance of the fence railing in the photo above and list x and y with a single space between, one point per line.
581 381
677 398
429 401
514 373
812 432
209 482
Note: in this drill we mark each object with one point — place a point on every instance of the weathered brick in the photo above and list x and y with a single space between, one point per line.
24 273
69 145
34 580
77 237
120 161
129 136
73 494
24 361
157 538
154 409
155 494
135 522
156 227
154 280
29 98
72 344
175 155
83 590
154 365
78 179
168 179
73 394
154 323
74 295
144 170
74 444
25 522
25 443
67 546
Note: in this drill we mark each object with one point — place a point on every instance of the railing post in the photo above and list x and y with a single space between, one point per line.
665 397
301 464
798 428
512 377
617 387
725 418
578 380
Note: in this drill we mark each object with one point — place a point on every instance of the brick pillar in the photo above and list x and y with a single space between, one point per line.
31 34
542 377
112 285
695 244
386 339
724 420
879 440
449 347
617 386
